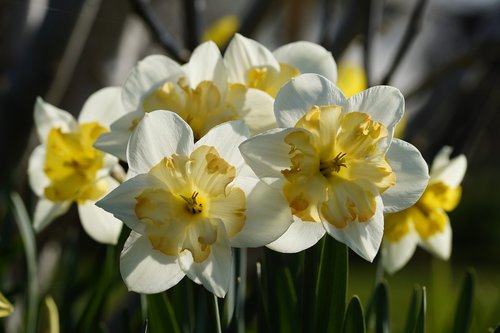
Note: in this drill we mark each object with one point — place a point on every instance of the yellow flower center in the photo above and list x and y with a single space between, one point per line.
202 107
269 80
337 167
428 215
72 164
183 213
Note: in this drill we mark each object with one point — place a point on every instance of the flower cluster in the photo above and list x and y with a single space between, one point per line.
247 149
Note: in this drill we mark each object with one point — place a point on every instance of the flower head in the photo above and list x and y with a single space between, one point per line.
66 167
252 64
426 223
188 203
336 163
199 92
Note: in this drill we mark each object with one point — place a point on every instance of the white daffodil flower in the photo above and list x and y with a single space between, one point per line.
188 203
337 164
252 64
198 92
66 168
426 223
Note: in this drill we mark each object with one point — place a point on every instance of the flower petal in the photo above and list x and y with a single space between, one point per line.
146 270
298 237
37 177
450 172
159 134
226 138
214 273
48 116
147 75
255 107
99 224
384 103
308 57
440 243
104 106
396 254
267 155
206 64
243 54
46 211
364 238
412 176
297 97
115 142
268 214
121 201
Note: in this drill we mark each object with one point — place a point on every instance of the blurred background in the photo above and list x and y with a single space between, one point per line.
444 55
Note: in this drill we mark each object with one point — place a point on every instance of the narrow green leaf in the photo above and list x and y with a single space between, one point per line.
287 300
413 308
420 324
161 315
28 236
463 313
381 304
331 286
354 321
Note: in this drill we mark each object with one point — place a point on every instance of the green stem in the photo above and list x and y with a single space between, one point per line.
241 293
217 314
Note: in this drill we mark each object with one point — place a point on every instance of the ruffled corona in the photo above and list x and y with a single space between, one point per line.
183 213
337 168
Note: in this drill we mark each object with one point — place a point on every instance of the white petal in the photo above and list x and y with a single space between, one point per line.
206 64
384 103
242 54
299 236
48 116
364 238
451 172
226 138
267 155
121 201
396 254
37 177
159 134
115 142
104 106
215 271
146 76
308 57
268 214
46 211
109 162
439 244
302 92
257 110
412 176
146 270
100 225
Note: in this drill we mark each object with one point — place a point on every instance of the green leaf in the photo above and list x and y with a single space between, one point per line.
354 321
331 286
28 236
415 320
463 313
420 324
381 304
161 315
287 300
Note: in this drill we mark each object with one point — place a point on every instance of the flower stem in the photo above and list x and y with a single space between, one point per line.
217 314
242 286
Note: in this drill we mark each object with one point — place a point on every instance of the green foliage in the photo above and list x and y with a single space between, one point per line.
463 312
415 321
354 321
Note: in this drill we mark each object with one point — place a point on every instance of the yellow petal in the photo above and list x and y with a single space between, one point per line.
397 225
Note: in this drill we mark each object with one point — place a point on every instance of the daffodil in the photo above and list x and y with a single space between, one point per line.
188 203
66 168
337 164
199 92
6 307
426 223
252 64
